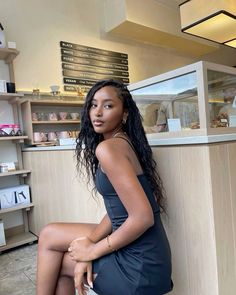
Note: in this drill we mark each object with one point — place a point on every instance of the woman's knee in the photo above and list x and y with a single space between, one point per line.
48 233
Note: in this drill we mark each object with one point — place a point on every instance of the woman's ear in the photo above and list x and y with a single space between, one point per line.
125 116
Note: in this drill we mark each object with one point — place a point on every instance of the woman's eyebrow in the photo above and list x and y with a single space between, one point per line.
105 100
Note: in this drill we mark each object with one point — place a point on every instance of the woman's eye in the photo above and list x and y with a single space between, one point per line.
93 105
108 106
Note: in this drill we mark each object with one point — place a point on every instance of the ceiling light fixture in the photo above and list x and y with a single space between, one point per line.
211 20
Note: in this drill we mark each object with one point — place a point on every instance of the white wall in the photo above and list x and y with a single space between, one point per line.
38 26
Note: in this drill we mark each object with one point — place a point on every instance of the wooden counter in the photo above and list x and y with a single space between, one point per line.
201 202
201 224
58 193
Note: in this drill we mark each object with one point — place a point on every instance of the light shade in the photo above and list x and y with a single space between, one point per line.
208 21
231 43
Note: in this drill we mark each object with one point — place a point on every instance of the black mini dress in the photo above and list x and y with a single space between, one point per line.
144 266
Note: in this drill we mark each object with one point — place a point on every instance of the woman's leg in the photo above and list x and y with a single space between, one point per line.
65 285
53 244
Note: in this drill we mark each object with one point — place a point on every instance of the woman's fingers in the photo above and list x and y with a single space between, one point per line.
82 289
79 277
90 275
79 281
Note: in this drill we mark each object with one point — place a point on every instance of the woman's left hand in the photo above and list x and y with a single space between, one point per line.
82 249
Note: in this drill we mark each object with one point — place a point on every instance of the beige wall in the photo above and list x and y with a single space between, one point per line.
38 26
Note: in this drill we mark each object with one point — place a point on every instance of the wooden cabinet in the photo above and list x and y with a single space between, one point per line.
42 109
60 194
17 235
200 186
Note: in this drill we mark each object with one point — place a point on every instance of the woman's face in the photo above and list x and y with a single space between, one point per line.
106 112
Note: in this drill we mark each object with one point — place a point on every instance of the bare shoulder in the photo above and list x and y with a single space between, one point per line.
112 151
110 147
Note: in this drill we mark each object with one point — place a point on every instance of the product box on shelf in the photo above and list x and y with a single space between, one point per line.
3 86
67 141
2 234
10 130
14 196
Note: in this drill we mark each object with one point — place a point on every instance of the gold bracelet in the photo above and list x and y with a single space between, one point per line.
109 245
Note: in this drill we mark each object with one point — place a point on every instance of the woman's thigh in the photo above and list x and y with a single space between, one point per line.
58 236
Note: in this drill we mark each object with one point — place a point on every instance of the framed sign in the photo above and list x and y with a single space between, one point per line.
82 66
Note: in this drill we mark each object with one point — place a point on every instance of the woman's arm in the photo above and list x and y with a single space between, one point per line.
102 230
80 248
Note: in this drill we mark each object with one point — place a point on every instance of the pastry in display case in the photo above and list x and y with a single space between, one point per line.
170 105
195 100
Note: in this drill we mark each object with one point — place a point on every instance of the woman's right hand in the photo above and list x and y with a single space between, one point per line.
80 269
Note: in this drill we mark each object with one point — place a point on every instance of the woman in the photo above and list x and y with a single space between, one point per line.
128 252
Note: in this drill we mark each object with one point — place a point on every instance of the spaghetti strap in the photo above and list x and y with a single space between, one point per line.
129 142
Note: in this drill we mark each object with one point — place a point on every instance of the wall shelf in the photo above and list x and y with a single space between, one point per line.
9 96
43 108
16 138
57 103
16 208
8 55
56 122
18 240
23 173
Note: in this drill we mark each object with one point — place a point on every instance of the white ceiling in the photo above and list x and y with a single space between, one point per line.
171 3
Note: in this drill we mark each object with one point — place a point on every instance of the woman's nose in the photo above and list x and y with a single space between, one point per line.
98 112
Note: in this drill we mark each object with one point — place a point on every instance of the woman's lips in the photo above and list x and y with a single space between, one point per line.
97 123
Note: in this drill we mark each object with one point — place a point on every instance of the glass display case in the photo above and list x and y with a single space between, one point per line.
198 99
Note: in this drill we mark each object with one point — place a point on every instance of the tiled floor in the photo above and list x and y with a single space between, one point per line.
18 271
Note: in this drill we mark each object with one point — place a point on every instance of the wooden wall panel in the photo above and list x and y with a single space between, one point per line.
232 175
223 167
185 172
57 191
168 160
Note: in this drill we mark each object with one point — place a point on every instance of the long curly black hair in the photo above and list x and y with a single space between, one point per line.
88 139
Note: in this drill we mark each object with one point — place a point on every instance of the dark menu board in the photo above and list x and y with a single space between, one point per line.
82 66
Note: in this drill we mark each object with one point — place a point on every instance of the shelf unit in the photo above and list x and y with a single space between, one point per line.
45 106
18 235
56 122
